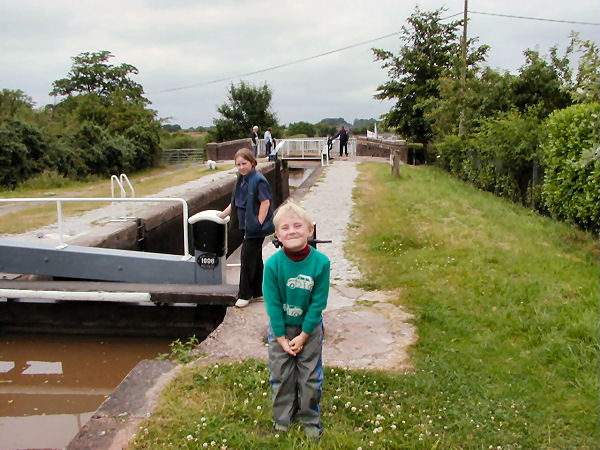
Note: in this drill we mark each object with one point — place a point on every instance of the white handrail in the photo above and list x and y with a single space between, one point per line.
121 180
59 201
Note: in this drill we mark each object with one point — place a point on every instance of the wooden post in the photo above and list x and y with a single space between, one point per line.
396 162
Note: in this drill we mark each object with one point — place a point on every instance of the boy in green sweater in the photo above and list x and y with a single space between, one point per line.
295 288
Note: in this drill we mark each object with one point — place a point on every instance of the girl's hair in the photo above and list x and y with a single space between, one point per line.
289 208
247 154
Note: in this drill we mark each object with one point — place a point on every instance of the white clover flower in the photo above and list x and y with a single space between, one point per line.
335 397
353 409
259 407
189 437
347 405
393 427
380 417
377 430
205 445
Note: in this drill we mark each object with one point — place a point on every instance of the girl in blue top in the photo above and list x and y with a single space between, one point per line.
251 210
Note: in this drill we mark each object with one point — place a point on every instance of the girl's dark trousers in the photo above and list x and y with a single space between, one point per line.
251 268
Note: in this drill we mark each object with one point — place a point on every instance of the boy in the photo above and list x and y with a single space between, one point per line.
295 288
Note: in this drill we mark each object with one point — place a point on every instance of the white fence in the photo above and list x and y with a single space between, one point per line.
307 148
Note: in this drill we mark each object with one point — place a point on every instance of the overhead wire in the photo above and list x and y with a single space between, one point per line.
535 18
348 47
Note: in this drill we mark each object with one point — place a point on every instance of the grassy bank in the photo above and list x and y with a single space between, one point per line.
505 305
30 217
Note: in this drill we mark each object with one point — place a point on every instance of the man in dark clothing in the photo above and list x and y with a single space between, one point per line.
254 137
343 135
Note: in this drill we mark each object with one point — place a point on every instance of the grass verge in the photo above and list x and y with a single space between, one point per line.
505 304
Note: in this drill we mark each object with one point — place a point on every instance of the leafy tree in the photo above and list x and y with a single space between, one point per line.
336 122
92 74
484 96
22 147
584 85
430 52
15 104
246 106
171 128
305 128
539 83
323 130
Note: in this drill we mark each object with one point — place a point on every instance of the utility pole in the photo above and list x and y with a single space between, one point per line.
463 75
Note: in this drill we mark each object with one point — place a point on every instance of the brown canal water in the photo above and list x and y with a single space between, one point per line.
51 385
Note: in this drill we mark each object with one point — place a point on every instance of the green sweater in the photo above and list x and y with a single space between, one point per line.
296 291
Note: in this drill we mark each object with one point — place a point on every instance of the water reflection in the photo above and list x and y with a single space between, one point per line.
53 384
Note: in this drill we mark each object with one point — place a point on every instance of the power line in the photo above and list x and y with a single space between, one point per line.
535 18
348 47
279 66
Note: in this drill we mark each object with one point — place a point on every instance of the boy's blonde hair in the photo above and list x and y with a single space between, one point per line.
289 208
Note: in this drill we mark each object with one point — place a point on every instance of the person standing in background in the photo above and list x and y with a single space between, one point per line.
268 142
254 137
343 135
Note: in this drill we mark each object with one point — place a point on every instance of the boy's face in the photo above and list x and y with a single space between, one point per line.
293 232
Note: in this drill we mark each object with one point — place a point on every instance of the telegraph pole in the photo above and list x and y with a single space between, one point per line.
463 75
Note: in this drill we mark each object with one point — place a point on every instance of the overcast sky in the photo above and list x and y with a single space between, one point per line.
187 43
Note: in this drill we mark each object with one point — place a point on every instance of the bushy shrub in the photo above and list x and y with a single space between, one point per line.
21 149
499 157
572 177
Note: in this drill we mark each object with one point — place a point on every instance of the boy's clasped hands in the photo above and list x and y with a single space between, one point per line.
293 346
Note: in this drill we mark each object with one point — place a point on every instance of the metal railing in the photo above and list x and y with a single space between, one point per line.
120 181
60 201
311 148
182 155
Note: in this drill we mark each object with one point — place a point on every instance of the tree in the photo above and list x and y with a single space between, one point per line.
539 83
584 85
430 52
91 74
14 104
305 128
247 106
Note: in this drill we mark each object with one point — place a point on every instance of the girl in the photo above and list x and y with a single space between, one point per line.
251 210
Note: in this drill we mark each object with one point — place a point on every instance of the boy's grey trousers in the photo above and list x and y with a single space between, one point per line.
297 381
